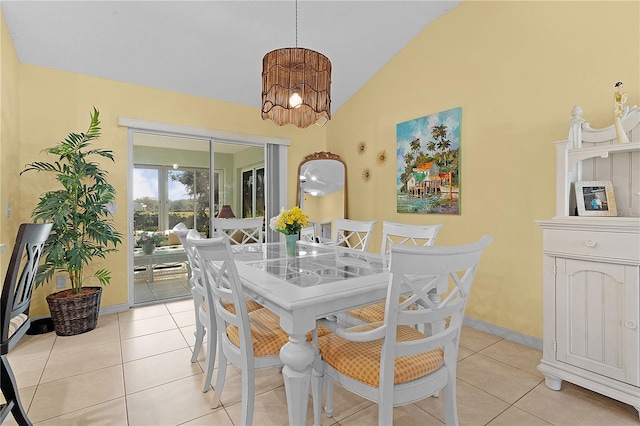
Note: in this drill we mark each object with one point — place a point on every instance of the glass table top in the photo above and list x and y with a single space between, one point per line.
313 264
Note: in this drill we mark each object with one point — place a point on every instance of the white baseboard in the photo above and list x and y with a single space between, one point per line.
505 333
113 309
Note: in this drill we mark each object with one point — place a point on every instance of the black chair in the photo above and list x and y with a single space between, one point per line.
14 308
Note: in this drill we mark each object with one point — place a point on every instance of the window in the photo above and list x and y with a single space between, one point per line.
253 199
165 196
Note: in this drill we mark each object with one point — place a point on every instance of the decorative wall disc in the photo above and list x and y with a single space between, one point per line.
366 175
362 147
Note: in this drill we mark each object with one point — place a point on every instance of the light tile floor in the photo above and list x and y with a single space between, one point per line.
135 369
167 284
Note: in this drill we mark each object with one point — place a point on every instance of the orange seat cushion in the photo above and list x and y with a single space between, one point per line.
369 313
252 305
372 313
361 360
266 333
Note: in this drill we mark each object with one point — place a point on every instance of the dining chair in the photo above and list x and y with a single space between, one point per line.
393 233
308 234
14 308
205 320
248 340
241 231
353 234
391 362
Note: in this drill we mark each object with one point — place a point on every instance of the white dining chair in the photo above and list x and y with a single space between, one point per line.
241 231
205 320
308 234
392 363
353 234
15 301
248 340
393 233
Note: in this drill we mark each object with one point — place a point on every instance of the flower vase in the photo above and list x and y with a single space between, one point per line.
148 248
291 244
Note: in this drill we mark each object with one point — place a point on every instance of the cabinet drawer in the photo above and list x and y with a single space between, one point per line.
597 244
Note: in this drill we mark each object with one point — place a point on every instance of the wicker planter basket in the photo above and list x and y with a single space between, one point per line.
75 313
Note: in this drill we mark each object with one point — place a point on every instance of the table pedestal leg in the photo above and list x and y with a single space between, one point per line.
297 356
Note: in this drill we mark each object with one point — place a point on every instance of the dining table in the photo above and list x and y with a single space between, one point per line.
319 281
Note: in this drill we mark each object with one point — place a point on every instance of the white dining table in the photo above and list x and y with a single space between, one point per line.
321 280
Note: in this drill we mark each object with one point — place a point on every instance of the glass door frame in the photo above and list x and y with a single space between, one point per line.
275 168
254 191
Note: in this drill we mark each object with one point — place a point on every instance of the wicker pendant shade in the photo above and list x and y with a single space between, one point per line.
296 70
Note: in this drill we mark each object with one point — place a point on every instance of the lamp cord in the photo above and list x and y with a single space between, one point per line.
296 24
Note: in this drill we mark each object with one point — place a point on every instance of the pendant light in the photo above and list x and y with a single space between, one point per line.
296 86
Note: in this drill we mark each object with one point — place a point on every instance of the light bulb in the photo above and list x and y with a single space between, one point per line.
295 100
175 166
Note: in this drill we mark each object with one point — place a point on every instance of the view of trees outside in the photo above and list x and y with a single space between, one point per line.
146 198
187 200
191 203
428 164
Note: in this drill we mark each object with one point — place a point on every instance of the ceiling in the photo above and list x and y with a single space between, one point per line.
214 49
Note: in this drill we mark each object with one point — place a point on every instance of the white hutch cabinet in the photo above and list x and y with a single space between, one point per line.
591 266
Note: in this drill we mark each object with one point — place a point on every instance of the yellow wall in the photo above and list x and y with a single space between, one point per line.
9 148
516 69
54 103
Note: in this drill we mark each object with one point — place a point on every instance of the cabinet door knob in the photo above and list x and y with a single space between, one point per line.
631 325
590 243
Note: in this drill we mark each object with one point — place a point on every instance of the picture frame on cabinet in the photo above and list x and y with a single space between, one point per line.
595 198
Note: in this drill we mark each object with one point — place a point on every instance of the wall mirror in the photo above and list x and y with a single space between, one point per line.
322 190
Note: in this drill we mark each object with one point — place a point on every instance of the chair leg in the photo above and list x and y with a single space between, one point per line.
199 333
328 408
212 343
317 375
385 413
10 392
316 393
449 402
222 373
248 395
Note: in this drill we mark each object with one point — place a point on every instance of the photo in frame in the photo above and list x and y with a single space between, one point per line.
595 198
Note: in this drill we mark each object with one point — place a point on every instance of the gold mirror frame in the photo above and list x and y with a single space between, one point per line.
323 155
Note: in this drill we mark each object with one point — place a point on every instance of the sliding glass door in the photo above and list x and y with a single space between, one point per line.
171 184
185 179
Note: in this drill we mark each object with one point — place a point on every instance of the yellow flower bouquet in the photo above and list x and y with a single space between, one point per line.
289 222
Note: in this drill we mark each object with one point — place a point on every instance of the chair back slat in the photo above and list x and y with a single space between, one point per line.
400 233
308 234
20 277
241 231
353 234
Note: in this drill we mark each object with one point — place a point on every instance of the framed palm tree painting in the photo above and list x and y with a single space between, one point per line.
428 172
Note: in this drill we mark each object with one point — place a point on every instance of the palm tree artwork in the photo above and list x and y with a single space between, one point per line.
428 172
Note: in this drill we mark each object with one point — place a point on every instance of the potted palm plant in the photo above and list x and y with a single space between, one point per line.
82 229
